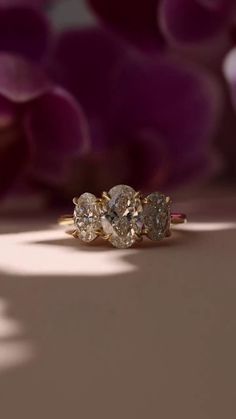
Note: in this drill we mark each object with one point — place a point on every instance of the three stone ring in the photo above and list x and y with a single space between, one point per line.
122 216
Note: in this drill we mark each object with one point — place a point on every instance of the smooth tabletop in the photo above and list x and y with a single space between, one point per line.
95 332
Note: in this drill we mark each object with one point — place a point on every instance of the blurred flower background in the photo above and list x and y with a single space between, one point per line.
138 92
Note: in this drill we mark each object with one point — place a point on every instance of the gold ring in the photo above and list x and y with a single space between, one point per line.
122 216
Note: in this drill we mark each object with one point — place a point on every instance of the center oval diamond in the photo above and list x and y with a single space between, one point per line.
122 218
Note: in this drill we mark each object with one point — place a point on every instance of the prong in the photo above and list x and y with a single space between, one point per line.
137 195
168 233
106 237
75 234
69 232
106 196
145 200
145 231
72 233
75 200
138 237
102 235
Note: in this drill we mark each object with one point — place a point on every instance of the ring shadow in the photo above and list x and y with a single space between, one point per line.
177 238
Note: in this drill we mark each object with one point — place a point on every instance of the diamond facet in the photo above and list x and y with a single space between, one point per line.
122 218
156 216
87 217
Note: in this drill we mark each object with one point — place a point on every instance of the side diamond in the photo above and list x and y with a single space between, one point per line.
87 217
156 216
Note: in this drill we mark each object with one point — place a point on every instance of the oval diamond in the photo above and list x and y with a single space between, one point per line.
122 218
156 216
87 217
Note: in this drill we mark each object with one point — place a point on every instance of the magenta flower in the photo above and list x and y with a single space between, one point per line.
118 115
22 3
191 21
227 142
41 125
151 117
230 73
24 30
136 20
182 21
129 15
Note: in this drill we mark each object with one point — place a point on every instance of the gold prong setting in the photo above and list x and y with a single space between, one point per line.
75 200
122 216
106 197
75 234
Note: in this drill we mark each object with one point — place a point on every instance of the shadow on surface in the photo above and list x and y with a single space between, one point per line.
157 341
178 238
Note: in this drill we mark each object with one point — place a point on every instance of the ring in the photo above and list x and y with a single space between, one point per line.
122 216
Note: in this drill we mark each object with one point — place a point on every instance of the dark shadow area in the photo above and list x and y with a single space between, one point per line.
13 224
97 245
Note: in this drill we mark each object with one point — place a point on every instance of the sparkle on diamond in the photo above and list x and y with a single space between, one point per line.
156 216
122 218
87 217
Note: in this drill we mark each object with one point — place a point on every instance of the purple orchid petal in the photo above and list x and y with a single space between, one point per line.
226 138
15 151
227 135
195 20
148 162
58 129
15 154
229 69
179 100
86 63
24 30
129 96
8 114
20 80
179 104
31 3
129 16
138 161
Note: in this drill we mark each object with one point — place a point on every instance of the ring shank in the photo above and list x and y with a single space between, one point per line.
66 220
178 218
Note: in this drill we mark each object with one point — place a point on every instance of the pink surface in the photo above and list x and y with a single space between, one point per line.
96 332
